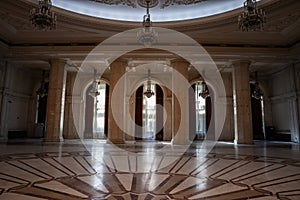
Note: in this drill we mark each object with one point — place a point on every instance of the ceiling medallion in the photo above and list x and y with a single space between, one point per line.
130 3
143 3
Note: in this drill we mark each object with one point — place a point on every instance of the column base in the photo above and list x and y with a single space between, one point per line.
109 141
180 142
46 140
243 142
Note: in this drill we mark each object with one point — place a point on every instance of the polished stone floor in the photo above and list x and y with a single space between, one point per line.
92 169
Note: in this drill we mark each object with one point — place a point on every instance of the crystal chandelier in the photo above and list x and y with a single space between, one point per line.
204 90
257 93
149 93
94 91
42 91
147 36
251 19
43 18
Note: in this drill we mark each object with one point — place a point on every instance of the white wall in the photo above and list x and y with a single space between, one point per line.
17 85
284 98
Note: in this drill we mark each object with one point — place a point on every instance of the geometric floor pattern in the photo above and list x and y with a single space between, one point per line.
72 175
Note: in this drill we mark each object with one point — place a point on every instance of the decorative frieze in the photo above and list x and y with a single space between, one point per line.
130 3
167 3
152 3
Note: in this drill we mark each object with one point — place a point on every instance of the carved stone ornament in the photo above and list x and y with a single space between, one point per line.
167 3
153 3
131 3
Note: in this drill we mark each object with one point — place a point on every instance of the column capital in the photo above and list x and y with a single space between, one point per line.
57 61
179 60
120 60
181 66
119 63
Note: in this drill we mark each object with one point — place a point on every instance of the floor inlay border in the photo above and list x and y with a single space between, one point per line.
78 175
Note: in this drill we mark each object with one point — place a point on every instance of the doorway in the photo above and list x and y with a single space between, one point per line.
202 108
257 114
148 116
96 112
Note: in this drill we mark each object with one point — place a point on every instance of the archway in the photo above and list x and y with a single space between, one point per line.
200 108
41 112
148 117
96 112
183 49
257 112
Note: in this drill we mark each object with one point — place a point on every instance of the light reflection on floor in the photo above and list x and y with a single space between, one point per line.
148 170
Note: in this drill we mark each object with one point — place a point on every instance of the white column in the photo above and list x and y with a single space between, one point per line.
56 101
70 131
116 130
295 103
228 128
180 103
4 83
242 102
168 116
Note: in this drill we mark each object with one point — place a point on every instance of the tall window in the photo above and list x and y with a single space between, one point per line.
149 115
99 112
200 112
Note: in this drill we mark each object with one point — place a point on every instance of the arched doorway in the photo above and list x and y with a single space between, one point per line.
257 112
148 116
96 112
201 106
41 112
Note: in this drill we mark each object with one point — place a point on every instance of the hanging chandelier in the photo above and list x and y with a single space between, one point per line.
147 36
204 90
252 19
257 93
43 18
42 91
94 91
149 93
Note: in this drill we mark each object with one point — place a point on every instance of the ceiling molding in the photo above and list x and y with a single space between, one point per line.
77 34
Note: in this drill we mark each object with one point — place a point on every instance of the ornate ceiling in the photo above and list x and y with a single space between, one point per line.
152 3
161 10
76 34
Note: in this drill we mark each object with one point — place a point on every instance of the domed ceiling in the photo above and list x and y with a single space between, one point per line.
161 10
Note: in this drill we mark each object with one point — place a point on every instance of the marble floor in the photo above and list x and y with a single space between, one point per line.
93 169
